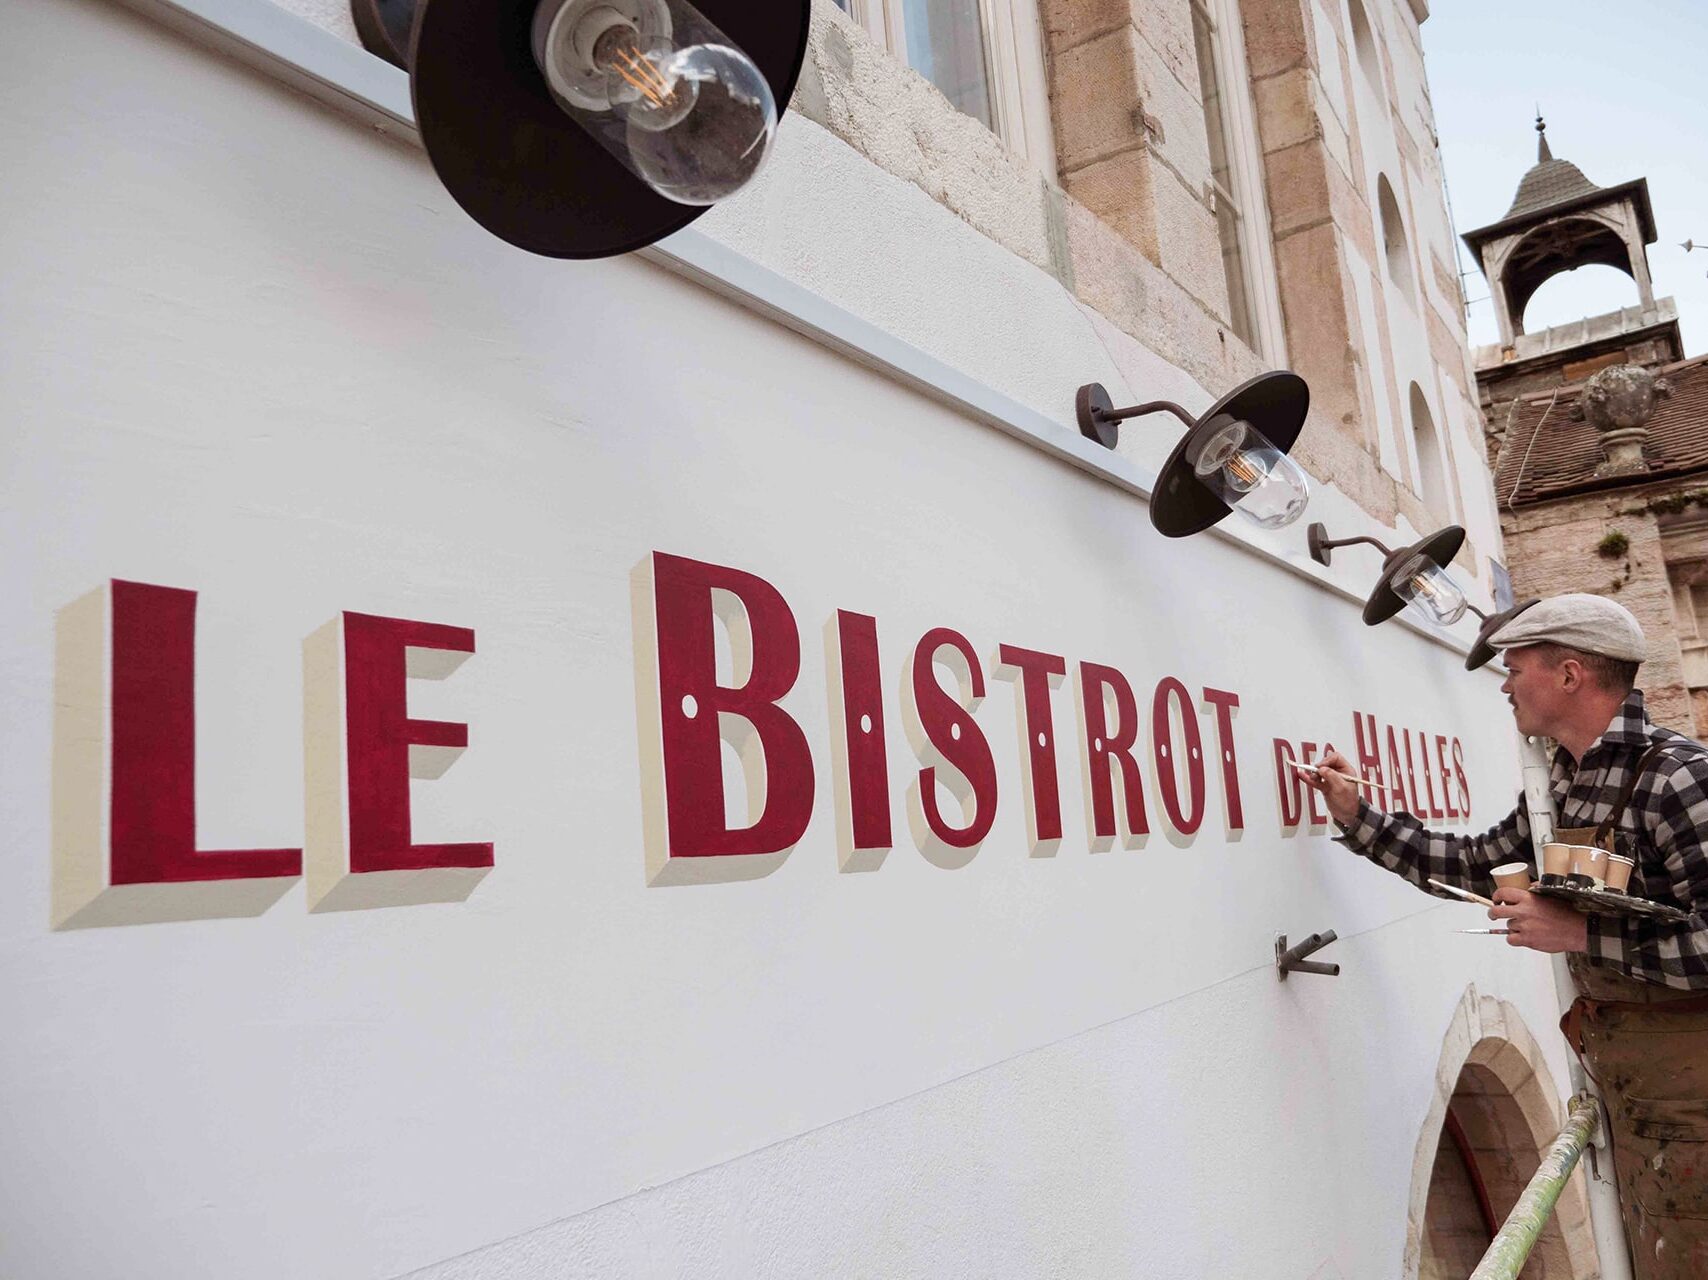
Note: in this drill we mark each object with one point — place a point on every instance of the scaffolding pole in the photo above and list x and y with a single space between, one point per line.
1517 1236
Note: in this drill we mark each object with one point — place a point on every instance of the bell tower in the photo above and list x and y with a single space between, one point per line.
1560 220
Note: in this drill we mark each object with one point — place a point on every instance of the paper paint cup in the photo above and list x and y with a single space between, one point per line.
1619 869
1512 875
1589 866
1556 863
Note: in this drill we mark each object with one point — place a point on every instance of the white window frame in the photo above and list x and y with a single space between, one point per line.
1014 49
1245 166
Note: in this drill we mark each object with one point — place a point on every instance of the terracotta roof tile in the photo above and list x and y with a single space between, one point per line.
1547 455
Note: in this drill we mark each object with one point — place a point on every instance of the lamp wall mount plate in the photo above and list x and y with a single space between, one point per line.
1095 412
1316 533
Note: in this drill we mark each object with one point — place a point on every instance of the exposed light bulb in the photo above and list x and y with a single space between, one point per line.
661 89
1237 463
1429 592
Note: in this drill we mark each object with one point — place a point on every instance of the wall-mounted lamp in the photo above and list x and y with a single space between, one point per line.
1414 575
1481 649
1417 576
1232 458
585 128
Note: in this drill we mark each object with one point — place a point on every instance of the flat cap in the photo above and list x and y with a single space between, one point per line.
1589 624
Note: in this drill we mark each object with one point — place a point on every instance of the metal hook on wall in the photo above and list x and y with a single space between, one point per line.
1292 959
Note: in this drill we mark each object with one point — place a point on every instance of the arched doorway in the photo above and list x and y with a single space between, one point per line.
1495 1112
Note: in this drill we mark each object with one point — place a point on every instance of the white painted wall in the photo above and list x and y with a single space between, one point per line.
251 348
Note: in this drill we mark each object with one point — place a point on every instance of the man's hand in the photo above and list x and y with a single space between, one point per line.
1329 779
1539 923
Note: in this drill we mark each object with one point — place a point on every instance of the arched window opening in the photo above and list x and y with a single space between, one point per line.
1574 295
1364 46
1394 244
1432 479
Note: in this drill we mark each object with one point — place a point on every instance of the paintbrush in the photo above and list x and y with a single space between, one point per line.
1311 770
1466 894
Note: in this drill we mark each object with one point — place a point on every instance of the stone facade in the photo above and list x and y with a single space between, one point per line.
1557 546
1590 503
1647 337
1127 225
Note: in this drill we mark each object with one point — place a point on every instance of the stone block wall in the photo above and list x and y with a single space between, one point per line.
1126 223
1130 137
1552 547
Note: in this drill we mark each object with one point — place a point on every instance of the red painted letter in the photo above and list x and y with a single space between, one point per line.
1397 791
1287 784
954 736
863 730
1459 774
1446 775
154 749
1103 748
1167 755
1308 755
1431 809
1225 704
1038 672
691 703
386 748
1370 753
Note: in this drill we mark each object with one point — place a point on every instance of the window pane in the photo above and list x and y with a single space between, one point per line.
945 44
1205 39
1229 225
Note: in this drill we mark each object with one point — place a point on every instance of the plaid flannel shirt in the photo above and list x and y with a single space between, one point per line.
1665 827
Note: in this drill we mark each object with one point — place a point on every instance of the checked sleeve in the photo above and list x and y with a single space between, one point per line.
1672 954
1400 843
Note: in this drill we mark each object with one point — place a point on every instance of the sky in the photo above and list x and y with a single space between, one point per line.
1624 89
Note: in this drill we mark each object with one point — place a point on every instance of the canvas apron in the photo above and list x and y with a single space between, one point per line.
1646 1046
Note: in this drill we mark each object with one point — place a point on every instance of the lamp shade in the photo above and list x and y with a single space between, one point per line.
517 163
1438 548
1274 404
1481 650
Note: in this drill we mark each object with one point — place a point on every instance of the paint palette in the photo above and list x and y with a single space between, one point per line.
1602 903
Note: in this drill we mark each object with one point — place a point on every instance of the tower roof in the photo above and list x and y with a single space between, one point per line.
1553 187
1549 182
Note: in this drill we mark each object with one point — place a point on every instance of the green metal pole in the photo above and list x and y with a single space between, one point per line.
1517 1236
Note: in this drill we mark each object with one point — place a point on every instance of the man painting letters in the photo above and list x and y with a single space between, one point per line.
1640 1022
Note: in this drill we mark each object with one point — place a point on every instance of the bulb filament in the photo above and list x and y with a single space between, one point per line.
1243 469
617 52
